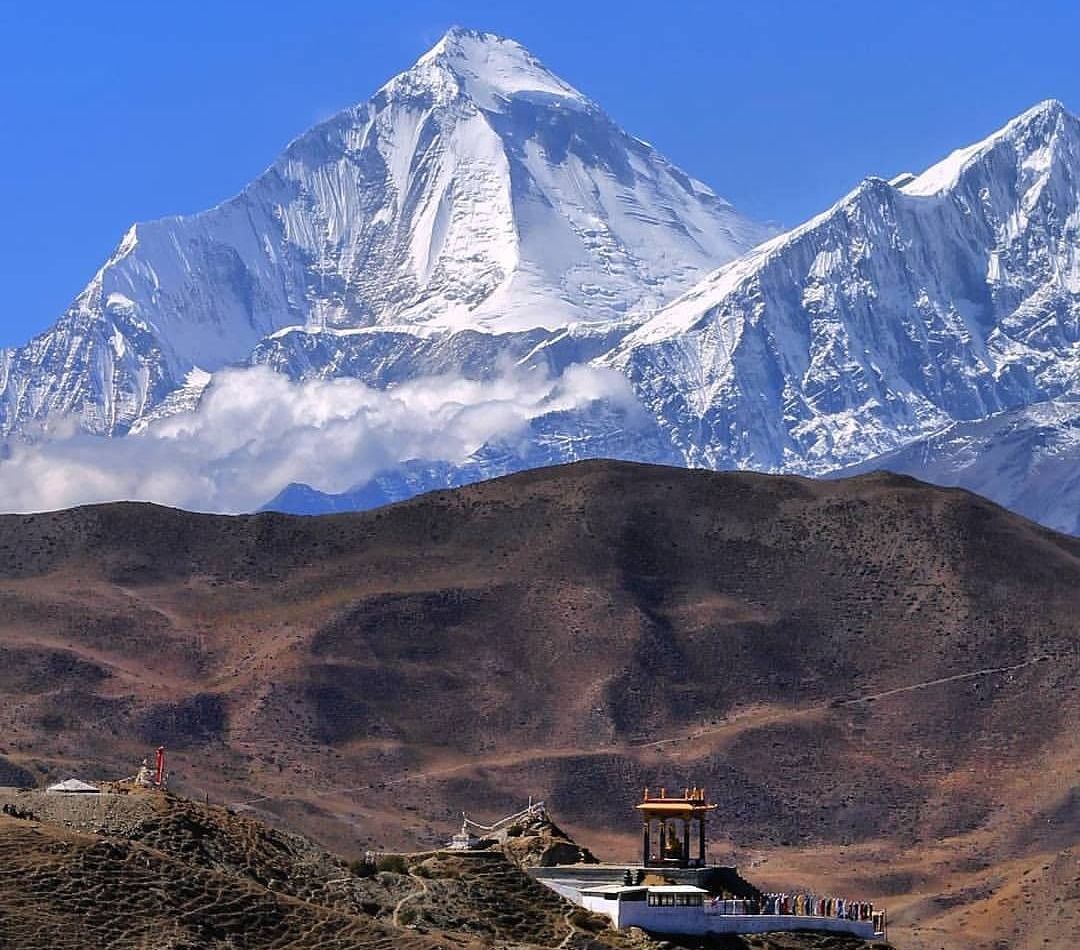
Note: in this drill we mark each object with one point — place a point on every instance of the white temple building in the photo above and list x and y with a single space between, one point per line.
674 890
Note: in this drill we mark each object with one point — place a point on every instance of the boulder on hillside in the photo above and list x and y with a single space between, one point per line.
541 843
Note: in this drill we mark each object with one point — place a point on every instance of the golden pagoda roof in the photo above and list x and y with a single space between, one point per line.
691 802
674 807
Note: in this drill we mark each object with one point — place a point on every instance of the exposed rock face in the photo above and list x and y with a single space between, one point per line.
541 843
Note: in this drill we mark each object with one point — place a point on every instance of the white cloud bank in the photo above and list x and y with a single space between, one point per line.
255 431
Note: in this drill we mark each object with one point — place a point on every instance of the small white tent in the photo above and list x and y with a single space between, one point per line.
73 786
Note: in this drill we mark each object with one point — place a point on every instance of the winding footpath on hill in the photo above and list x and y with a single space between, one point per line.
735 722
420 893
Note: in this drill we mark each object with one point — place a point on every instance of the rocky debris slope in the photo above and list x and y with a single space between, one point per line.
539 842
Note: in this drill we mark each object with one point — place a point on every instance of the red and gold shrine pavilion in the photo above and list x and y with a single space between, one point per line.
673 817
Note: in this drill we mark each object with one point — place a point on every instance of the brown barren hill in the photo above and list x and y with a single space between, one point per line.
874 678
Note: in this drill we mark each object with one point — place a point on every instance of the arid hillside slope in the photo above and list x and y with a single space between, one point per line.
152 870
874 678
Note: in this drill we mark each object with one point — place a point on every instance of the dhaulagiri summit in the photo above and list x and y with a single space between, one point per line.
475 191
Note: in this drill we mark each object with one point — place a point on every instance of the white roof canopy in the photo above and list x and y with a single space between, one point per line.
73 785
613 888
651 888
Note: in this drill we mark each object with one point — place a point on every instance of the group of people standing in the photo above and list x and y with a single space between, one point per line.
812 906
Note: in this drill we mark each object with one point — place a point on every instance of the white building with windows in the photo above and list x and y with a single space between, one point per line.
688 909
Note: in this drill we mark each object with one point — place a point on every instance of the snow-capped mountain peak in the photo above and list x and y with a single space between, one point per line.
475 191
479 218
487 69
1030 140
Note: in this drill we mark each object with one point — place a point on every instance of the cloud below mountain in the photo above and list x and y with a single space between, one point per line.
255 431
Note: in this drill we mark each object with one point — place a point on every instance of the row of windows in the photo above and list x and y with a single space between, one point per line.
675 900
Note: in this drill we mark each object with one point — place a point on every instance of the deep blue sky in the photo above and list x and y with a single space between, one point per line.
113 112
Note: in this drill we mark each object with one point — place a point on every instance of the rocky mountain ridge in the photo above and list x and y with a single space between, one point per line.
901 310
913 310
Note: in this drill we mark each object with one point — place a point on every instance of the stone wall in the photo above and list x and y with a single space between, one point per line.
104 813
